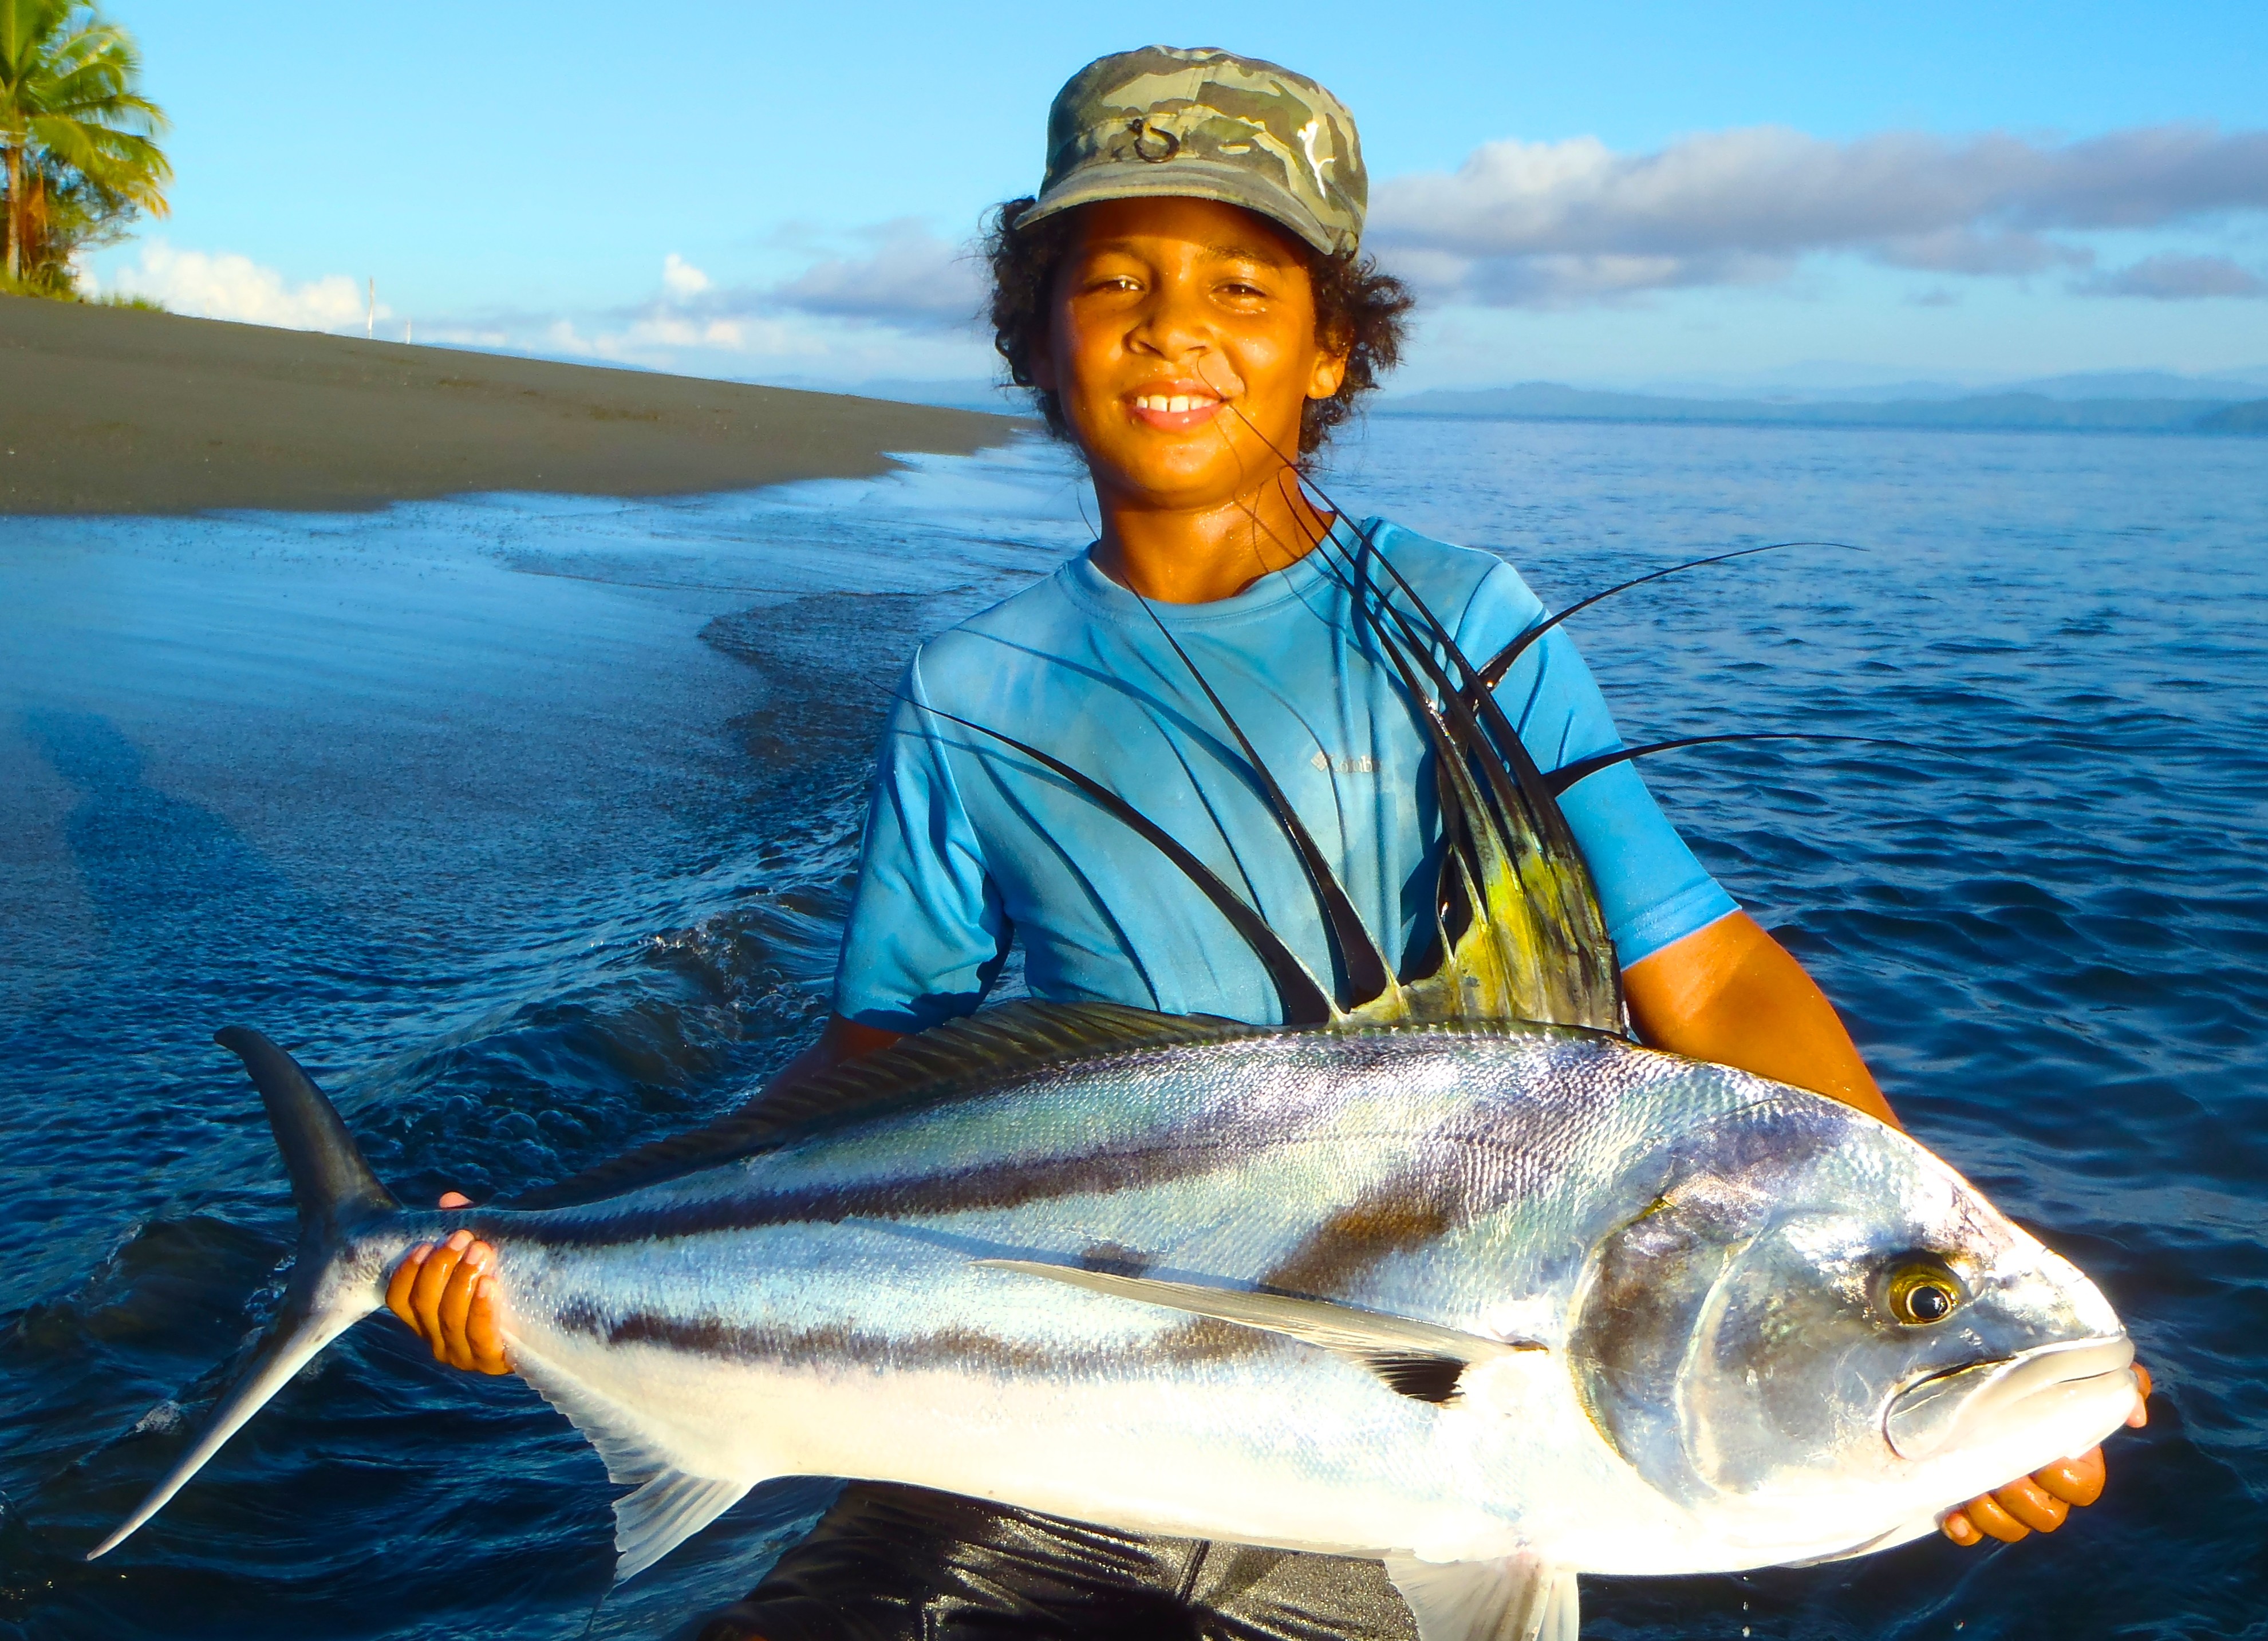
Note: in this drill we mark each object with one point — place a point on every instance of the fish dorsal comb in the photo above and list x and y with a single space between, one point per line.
938 1064
932 1067
1519 927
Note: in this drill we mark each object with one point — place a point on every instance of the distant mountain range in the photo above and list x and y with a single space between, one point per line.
1825 382
2239 407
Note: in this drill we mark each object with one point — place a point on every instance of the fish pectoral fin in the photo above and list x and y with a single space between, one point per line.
1520 1598
1421 1360
669 1506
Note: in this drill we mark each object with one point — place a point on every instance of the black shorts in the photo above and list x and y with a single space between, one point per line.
902 1564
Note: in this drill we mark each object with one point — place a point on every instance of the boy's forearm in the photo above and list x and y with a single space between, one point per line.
1732 994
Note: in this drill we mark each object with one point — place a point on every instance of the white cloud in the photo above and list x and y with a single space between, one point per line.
681 278
1542 224
661 339
900 311
912 290
228 286
912 280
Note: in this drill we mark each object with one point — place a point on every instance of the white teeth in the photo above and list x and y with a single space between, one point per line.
1179 402
1171 403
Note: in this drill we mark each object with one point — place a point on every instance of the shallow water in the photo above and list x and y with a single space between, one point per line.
529 821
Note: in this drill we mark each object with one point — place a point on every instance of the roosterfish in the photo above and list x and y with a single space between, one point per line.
1449 1272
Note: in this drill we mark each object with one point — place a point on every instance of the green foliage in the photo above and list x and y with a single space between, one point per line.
76 135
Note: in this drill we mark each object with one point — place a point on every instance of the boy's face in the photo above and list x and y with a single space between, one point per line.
1182 342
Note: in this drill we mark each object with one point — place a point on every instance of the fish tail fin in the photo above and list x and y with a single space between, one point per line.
337 1196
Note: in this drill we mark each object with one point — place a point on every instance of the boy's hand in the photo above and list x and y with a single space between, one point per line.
2042 1500
447 1296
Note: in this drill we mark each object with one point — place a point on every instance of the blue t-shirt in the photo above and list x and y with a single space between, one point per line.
969 845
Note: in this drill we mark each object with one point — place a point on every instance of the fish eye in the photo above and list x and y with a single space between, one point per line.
1922 1292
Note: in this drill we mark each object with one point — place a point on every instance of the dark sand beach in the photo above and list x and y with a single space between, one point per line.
114 410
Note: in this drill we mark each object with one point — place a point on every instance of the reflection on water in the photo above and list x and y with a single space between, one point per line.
528 821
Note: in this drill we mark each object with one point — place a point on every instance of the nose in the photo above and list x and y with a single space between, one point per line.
1174 325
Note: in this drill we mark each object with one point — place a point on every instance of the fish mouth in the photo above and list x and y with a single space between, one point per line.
1927 1417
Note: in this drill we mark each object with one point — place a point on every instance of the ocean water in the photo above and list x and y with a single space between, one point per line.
529 822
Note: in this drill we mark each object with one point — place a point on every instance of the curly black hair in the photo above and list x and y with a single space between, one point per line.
1356 307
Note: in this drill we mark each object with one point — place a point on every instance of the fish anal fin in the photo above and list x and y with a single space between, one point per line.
1519 1598
669 1506
663 1514
1421 1360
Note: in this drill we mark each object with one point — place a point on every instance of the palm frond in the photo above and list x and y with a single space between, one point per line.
74 128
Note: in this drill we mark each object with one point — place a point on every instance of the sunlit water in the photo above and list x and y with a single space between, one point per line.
529 821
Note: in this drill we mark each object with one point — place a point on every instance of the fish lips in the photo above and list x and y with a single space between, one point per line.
1927 1417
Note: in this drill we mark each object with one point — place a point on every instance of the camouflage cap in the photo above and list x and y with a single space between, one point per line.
1209 125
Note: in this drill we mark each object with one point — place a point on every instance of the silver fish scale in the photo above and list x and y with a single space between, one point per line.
1440 1174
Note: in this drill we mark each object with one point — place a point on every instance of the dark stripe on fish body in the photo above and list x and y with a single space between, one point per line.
712 1336
1405 1216
1176 1155
1202 1339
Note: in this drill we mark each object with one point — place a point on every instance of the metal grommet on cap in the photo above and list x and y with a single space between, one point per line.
1150 142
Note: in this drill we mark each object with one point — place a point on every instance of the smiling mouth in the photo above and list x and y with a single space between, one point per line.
1175 408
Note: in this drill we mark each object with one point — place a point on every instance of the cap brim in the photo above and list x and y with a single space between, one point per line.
1182 179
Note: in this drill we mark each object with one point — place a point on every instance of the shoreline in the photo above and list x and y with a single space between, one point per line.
123 411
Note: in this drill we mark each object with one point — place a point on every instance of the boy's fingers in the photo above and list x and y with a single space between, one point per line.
2032 1505
1989 1517
2141 1415
453 1199
432 1279
397 1290
481 1330
1958 1527
457 1300
2074 1480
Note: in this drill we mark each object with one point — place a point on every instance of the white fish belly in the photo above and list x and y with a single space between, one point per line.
1208 1454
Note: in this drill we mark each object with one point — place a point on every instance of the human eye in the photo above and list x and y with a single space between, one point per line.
1243 287
1109 281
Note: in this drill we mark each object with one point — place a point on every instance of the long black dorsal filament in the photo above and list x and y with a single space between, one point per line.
1558 960
1567 912
1582 769
1492 675
1304 1001
1355 953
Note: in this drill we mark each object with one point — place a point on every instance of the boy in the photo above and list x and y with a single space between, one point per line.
1187 298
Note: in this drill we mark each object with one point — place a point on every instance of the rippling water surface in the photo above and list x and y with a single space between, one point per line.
528 821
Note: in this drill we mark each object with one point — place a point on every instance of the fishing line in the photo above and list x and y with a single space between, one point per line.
596 1606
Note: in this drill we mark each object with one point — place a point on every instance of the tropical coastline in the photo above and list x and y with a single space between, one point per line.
120 410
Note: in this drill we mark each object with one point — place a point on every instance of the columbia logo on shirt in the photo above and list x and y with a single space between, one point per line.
1363 765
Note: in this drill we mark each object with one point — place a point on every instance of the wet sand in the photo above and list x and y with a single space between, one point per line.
113 410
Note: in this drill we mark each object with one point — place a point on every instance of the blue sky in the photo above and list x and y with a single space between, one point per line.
1599 193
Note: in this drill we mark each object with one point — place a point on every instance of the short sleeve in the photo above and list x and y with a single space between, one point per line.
1652 889
927 934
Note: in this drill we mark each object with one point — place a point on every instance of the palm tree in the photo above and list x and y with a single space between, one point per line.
72 119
